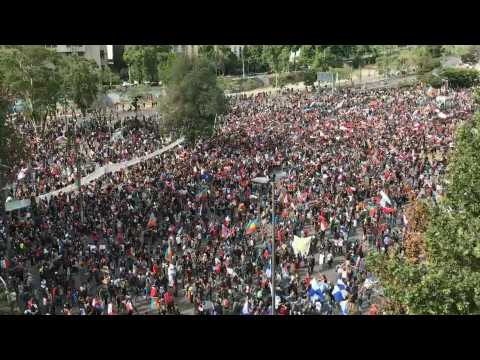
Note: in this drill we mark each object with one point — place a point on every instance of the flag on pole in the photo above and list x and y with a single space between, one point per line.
152 222
316 291
169 253
251 227
339 293
301 245
323 223
245 309
225 232
385 199
344 307
388 210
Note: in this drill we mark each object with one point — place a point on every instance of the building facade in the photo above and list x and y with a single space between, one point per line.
98 53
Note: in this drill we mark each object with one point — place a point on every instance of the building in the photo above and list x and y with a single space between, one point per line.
98 53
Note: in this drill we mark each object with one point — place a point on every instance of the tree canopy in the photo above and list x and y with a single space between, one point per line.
439 271
192 99
81 81
143 61
30 73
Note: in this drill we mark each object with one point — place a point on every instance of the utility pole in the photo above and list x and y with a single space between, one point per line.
78 173
273 248
243 61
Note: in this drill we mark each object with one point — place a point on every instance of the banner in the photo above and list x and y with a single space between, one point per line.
109 168
301 245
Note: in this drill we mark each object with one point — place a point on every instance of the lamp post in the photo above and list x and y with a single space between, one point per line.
276 176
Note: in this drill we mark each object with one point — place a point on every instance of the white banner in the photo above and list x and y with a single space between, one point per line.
110 168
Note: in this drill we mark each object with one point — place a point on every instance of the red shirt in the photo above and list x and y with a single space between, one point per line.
153 292
168 298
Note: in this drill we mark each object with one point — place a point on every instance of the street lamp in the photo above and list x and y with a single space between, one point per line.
275 177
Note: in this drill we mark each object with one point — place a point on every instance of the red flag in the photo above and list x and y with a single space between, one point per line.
388 210
225 232
323 223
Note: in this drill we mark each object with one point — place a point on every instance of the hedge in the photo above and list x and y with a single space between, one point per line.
460 78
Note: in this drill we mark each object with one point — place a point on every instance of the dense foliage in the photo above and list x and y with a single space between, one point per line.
439 270
193 98
460 78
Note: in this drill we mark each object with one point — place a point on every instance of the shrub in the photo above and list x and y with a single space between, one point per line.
432 80
460 78
290 78
251 84
427 64
309 77
470 57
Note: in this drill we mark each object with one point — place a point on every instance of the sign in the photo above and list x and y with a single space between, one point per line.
324 77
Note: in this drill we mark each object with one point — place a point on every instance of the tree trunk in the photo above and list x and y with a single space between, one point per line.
44 125
3 213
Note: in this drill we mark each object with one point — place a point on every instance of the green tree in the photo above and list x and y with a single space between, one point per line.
143 61
192 99
165 67
254 58
272 55
108 77
435 51
460 78
207 51
12 147
324 60
447 280
30 73
285 58
307 55
81 81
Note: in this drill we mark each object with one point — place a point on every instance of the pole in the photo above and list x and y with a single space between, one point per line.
273 248
3 212
243 62
77 150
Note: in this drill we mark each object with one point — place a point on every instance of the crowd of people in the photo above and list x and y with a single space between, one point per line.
173 229
71 148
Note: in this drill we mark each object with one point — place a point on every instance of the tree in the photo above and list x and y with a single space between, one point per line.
12 147
143 61
30 73
310 76
254 58
81 81
285 58
460 78
471 56
446 280
307 54
192 100
324 60
435 51
222 55
272 54
207 51
108 77
165 67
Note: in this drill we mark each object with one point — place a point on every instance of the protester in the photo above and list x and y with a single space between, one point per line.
184 227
